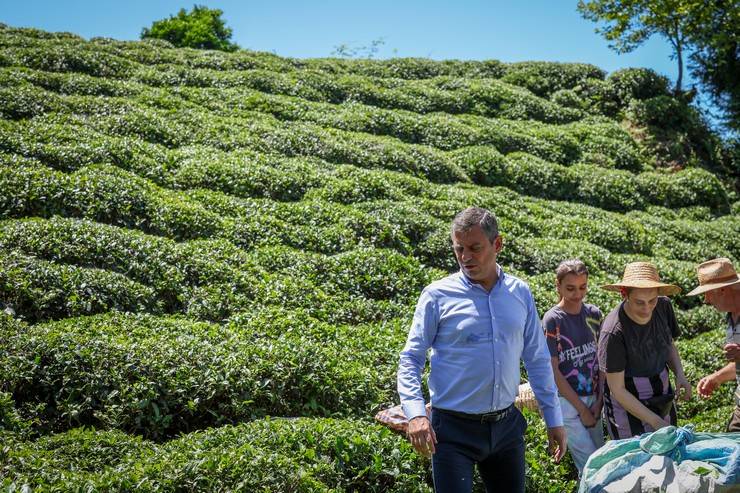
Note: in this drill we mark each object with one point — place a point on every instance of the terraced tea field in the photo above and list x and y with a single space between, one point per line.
213 258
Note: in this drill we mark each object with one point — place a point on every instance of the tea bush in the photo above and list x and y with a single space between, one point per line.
213 258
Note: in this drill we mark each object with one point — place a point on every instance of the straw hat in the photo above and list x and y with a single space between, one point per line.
643 275
715 274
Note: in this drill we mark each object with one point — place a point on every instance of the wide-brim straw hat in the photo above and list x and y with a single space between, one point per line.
715 274
643 275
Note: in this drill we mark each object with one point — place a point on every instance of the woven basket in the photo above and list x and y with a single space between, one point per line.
395 419
526 399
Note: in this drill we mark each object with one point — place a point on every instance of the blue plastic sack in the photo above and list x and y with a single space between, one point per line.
668 460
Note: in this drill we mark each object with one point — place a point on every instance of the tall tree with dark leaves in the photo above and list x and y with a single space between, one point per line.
629 23
704 32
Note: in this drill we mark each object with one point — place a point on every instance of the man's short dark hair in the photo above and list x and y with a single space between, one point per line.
476 216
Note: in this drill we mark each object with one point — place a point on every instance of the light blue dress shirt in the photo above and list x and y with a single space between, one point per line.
477 339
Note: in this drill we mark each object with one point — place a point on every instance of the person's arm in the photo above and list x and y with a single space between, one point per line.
599 390
570 395
599 402
539 368
674 363
708 384
410 367
630 403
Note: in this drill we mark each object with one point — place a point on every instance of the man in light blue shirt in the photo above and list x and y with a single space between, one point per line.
479 323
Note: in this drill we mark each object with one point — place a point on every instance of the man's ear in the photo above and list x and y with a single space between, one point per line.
498 244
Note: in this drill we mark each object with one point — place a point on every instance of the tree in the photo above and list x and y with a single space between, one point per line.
631 22
200 28
716 60
708 30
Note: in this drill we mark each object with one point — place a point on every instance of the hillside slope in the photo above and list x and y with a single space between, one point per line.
200 245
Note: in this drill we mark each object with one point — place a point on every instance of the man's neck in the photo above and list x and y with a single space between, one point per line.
487 284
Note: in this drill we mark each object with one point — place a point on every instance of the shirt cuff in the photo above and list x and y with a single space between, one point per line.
553 416
414 409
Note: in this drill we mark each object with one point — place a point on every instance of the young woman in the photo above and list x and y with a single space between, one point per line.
636 350
572 328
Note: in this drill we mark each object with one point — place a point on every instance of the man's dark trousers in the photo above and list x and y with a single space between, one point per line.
496 447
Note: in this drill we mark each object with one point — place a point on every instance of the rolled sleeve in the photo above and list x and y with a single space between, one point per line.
536 358
413 356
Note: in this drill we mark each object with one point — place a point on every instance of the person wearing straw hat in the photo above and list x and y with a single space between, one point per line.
720 285
479 323
635 351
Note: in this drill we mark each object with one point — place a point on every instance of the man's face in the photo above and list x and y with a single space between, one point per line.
642 302
718 298
475 253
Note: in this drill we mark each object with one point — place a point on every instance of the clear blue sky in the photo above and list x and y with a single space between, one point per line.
504 30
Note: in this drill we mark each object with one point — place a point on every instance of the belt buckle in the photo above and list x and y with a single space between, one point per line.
494 416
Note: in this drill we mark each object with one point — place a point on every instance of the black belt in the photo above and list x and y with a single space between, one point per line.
491 417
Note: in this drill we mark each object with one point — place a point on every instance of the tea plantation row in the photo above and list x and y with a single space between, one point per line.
109 58
64 267
112 195
566 142
213 258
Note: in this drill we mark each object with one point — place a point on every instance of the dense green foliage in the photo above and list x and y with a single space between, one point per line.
705 33
201 28
214 257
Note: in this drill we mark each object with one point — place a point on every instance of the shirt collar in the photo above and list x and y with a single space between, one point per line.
471 285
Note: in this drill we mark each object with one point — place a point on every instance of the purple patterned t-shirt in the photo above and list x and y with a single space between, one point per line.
572 339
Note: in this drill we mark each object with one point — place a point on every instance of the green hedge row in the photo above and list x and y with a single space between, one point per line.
40 290
161 376
114 196
690 240
487 97
167 267
108 194
612 96
542 78
521 217
301 455
205 279
128 119
244 172
104 194
212 279
574 87
701 356
593 185
604 143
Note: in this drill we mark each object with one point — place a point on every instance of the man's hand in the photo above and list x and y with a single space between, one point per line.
422 436
706 386
557 442
587 417
732 351
682 383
